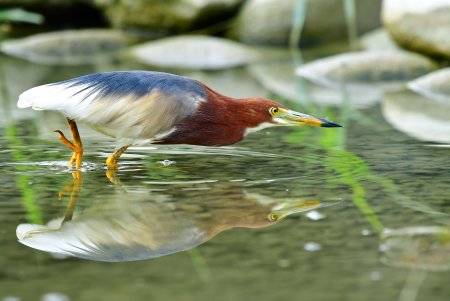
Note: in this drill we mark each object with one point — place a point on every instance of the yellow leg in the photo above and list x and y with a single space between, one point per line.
76 146
112 160
75 191
111 174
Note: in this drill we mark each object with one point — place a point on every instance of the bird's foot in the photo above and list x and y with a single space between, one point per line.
112 160
77 149
112 176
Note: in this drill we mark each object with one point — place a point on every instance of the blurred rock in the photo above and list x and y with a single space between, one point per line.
422 26
378 39
59 13
70 47
17 75
236 82
280 79
269 22
434 85
194 52
419 117
384 70
27 3
165 17
9 3
426 248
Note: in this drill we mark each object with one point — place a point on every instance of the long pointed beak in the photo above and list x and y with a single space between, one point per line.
296 118
289 207
282 210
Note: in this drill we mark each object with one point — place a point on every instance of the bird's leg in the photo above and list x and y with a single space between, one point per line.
76 146
112 160
78 154
76 187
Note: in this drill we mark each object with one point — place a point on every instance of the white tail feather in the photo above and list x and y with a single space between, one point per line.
61 97
53 240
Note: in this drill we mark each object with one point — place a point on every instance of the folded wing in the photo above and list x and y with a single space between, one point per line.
123 104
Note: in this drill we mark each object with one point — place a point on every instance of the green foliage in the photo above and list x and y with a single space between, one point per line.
34 214
352 170
298 21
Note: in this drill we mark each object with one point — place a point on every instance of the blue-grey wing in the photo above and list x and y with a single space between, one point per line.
125 104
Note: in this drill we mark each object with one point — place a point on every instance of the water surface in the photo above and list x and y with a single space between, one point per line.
225 223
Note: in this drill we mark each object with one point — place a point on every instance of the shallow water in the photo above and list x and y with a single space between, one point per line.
227 223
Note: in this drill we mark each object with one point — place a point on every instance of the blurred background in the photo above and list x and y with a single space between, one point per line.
360 213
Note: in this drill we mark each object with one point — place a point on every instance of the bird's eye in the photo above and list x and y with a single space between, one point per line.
273 111
273 217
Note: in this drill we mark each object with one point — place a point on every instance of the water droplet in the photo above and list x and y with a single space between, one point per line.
166 162
312 246
237 180
383 248
366 232
55 297
375 276
284 263
314 215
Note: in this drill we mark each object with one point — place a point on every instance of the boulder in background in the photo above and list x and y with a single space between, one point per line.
269 22
421 26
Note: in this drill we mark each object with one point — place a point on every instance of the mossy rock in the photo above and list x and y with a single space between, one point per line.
269 22
164 17
68 47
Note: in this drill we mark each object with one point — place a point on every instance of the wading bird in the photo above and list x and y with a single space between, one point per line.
156 107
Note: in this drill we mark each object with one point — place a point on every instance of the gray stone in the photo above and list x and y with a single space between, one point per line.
385 70
69 47
417 248
422 26
53 11
417 116
280 79
270 21
434 85
163 17
236 82
378 39
41 3
194 52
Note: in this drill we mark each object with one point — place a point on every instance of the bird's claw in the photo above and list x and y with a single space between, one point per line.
77 150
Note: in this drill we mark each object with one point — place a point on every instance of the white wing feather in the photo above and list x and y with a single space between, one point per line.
63 97
135 105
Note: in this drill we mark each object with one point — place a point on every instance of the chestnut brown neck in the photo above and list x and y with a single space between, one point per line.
220 120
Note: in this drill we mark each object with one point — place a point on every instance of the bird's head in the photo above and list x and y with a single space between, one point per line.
284 116
273 113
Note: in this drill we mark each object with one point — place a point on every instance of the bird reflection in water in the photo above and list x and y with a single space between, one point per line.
128 226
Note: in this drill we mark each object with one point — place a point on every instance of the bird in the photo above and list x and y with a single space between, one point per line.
139 107
129 225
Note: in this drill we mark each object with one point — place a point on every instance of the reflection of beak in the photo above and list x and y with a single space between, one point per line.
295 118
284 209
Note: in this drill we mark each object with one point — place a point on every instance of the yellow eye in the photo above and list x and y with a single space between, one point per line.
273 111
272 217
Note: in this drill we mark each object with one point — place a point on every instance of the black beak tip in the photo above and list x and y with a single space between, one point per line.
329 124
